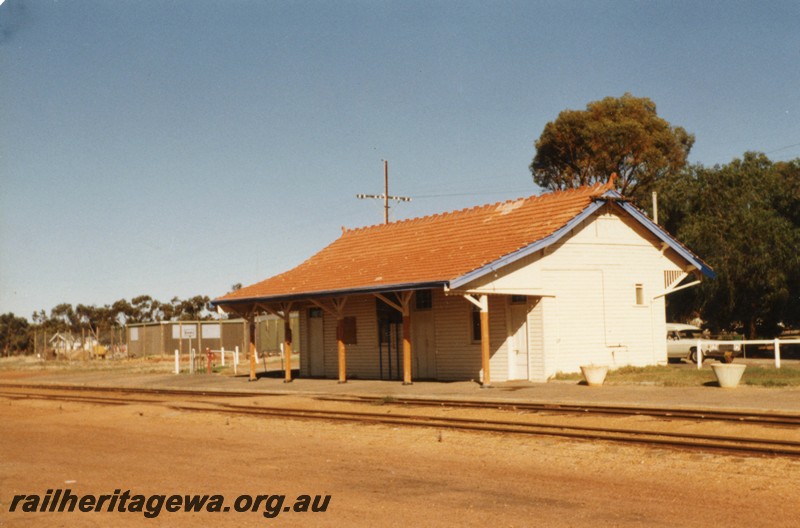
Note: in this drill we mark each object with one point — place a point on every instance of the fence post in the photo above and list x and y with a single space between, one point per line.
177 362
191 360
699 355
222 351
777 353
235 361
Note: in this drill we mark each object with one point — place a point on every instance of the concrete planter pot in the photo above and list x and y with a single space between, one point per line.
594 374
728 374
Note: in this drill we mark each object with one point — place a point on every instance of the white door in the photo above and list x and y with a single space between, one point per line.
518 350
316 358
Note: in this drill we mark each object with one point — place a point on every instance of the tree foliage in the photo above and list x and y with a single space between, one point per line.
102 322
741 218
14 334
621 135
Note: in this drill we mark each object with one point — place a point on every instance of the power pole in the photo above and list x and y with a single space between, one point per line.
385 196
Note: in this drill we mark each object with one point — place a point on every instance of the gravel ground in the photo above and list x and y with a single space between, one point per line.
375 474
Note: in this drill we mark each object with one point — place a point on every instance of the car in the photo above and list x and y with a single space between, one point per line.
682 342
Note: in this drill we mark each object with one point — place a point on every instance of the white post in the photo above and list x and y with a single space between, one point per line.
222 352
235 361
699 354
177 361
777 353
191 361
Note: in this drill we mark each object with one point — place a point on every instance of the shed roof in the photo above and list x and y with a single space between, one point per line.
444 249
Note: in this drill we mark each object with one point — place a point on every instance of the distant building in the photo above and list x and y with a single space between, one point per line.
148 339
68 346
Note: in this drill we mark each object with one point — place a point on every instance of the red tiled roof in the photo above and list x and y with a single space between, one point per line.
436 248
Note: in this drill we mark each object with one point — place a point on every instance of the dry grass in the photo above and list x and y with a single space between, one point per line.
134 365
145 365
671 376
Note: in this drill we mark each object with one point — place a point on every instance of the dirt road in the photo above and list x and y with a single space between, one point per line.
375 475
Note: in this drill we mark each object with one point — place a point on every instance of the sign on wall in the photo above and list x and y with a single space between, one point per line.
184 331
210 331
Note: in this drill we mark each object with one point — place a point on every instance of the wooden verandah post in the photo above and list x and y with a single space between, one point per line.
287 341
249 338
283 312
341 349
287 350
482 302
403 308
251 332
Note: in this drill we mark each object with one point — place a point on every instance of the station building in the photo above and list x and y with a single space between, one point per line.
518 290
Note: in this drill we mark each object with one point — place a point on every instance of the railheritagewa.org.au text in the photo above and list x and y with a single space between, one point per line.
65 501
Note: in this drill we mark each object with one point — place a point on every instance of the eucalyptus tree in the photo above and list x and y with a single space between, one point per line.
742 219
622 135
15 335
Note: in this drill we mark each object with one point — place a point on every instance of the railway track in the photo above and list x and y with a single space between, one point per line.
524 416
780 419
760 418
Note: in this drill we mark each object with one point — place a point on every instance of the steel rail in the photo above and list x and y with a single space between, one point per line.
762 418
738 416
726 444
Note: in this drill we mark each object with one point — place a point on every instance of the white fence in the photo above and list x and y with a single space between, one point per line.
776 343
193 358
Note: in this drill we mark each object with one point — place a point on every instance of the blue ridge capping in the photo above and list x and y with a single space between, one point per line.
561 232
665 237
527 250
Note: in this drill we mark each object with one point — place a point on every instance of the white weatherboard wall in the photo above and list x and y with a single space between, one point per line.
587 311
361 357
456 356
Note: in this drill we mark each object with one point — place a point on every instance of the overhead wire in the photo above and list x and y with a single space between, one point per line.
479 193
783 148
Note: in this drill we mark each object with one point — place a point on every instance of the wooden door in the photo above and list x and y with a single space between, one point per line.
518 349
316 348
423 345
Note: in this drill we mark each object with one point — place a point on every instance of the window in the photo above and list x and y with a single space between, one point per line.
519 299
639 295
476 324
314 313
423 300
348 329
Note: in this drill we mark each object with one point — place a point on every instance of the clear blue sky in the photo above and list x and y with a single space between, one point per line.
174 148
